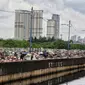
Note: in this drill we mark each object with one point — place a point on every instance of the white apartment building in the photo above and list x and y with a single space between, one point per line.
56 17
23 24
74 38
37 24
50 28
53 26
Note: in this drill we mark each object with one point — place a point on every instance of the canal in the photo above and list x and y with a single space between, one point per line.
62 78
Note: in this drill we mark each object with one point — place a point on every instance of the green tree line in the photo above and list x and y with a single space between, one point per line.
40 43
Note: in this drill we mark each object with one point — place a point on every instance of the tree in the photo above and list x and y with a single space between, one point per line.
59 44
9 43
52 39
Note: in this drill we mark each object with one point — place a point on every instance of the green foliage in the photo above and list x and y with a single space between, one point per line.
14 43
60 44
43 39
78 46
40 43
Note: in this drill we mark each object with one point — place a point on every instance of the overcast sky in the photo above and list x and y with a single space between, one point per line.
73 10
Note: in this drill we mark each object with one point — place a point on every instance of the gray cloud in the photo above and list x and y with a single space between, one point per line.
68 9
77 5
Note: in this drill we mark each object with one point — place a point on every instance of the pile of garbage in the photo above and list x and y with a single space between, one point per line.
18 56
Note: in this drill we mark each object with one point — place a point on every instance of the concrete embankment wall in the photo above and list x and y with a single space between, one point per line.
19 70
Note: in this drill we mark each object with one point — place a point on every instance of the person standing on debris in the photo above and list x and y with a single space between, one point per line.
45 54
15 54
32 54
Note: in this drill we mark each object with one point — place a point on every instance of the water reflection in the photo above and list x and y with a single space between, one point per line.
52 79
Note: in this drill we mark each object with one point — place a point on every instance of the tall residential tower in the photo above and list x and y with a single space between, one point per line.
23 24
53 26
56 17
50 28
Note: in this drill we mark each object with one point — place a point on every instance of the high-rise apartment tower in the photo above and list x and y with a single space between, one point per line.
23 24
56 17
53 26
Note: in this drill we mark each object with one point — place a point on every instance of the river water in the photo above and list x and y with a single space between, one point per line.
80 81
53 79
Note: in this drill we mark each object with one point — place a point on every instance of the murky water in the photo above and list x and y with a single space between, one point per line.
62 78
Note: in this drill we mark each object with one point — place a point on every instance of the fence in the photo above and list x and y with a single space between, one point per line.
28 66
